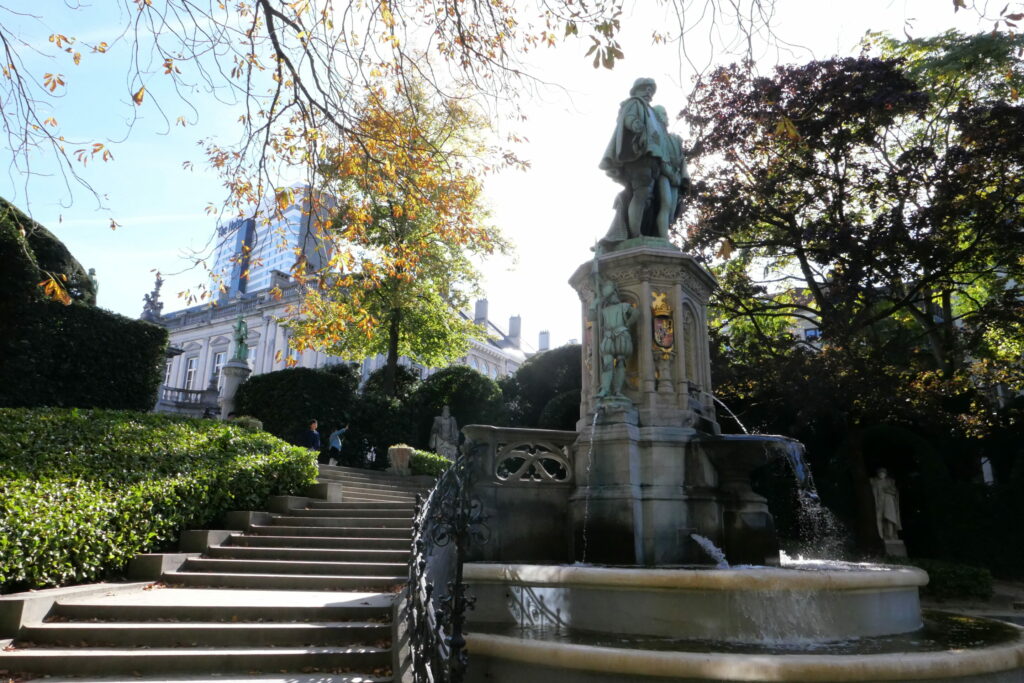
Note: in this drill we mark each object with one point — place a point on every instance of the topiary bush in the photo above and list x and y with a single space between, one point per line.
75 355
80 356
425 462
472 397
84 491
539 394
286 400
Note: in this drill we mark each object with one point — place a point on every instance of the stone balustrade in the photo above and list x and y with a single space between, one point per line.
523 477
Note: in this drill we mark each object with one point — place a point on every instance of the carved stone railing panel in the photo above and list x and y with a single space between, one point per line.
529 461
524 477
517 456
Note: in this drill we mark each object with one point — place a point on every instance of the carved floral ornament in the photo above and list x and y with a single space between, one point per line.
529 462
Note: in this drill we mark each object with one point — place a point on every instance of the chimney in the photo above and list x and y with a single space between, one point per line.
544 340
480 317
515 329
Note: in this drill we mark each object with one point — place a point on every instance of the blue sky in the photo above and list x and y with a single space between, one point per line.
553 213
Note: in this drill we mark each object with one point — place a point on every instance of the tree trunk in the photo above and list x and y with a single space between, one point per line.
391 367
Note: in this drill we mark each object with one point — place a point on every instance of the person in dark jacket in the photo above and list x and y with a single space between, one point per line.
311 437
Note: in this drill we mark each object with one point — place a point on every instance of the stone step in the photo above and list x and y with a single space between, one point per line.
372 474
404 515
257 566
227 678
373 484
150 634
361 498
358 494
299 582
199 660
262 613
309 554
348 522
299 541
280 529
328 505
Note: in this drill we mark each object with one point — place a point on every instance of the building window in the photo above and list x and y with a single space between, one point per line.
167 373
251 356
218 363
190 372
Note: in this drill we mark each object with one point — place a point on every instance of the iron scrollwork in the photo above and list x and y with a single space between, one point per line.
445 524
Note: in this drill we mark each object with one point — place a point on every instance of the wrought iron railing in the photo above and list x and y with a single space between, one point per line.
445 524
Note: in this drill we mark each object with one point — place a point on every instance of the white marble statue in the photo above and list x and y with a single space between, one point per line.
887 505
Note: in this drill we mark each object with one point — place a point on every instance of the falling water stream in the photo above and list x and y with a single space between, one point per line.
731 414
822 531
712 550
586 498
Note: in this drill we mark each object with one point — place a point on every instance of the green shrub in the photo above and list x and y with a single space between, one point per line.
536 393
248 422
57 355
80 356
952 581
84 491
286 400
472 397
425 462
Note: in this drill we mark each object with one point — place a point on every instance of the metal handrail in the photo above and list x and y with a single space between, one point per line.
444 526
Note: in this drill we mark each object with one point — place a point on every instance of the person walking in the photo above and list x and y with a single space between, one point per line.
334 443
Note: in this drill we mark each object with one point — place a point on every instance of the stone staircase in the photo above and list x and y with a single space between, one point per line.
308 591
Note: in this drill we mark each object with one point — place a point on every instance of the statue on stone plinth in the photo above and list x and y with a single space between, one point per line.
615 319
152 306
887 505
241 333
648 161
444 435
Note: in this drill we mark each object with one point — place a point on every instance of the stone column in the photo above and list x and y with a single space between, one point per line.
235 372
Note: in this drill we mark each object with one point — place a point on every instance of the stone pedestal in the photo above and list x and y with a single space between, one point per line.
235 372
632 499
399 457
895 548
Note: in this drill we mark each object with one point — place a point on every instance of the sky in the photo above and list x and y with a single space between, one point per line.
553 213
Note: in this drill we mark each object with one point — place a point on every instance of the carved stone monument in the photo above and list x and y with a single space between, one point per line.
152 306
650 464
236 370
887 512
444 435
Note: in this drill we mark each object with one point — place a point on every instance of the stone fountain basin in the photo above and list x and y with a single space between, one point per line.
763 604
753 605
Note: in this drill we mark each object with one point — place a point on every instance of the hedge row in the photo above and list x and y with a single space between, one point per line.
84 491
425 462
80 356
57 355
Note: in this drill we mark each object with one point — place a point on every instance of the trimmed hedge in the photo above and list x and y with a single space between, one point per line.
84 491
56 355
473 398
286 400
952 581
80 356
425 462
